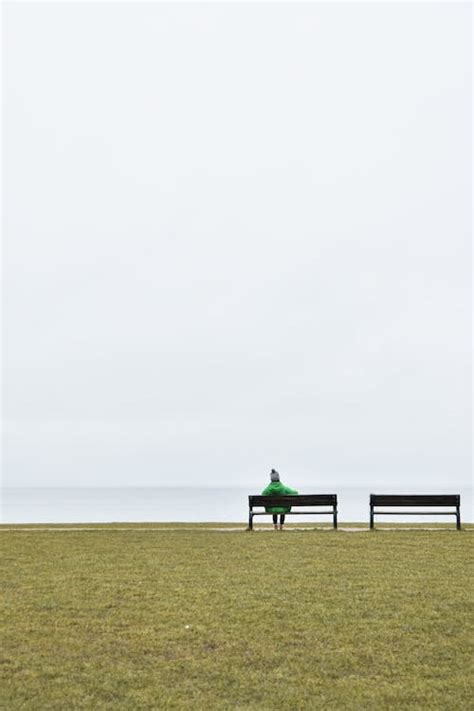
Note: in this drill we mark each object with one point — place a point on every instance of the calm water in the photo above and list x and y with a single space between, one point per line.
73 505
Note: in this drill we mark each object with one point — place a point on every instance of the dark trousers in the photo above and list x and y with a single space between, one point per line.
282 519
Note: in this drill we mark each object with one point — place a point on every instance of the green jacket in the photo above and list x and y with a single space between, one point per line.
276 488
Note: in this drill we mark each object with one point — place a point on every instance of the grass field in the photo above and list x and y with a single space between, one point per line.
201 619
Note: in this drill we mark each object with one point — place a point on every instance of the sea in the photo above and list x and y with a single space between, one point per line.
189 504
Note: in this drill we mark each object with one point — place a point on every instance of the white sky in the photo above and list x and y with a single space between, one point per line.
236 237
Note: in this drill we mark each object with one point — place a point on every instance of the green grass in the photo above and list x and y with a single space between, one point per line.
232 620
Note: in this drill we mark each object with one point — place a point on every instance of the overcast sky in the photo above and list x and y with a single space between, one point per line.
236 237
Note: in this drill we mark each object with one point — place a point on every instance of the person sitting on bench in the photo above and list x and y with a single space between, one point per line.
276 488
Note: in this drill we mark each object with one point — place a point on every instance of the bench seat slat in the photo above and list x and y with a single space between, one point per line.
414 500
414 513
296 513
297 500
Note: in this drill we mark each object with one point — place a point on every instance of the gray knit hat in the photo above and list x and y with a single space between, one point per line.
274 476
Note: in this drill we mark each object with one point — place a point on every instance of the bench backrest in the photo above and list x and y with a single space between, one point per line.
414 500
296 500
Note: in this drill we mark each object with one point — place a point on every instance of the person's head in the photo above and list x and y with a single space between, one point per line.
274 476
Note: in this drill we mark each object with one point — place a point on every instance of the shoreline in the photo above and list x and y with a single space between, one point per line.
351 527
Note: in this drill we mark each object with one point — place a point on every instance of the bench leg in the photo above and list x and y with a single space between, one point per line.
250 521
458 518
371 517
334 518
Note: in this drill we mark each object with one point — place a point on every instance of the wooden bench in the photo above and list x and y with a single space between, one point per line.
300 500
452 500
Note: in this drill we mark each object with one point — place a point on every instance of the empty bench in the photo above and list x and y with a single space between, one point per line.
300 500
439 501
